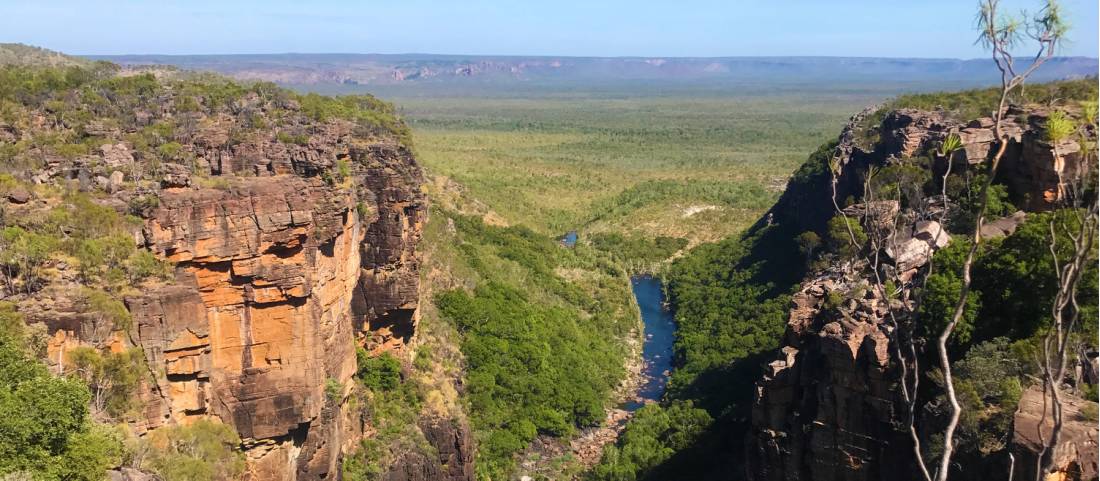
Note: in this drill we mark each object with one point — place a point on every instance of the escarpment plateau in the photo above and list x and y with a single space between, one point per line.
830 404
289 227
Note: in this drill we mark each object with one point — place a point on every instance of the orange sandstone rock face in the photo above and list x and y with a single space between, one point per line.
278 277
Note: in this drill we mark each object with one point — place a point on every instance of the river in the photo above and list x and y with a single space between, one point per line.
660 331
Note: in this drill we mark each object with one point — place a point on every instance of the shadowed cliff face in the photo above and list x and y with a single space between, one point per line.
829 407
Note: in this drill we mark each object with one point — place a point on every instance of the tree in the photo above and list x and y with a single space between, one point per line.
203 451
380 373
110 376
1000 34
808 242
23 255
44 427
845 236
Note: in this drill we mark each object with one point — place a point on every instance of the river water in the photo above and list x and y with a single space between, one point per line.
660 333
660 330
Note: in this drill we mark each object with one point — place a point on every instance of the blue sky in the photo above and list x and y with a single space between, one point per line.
887 28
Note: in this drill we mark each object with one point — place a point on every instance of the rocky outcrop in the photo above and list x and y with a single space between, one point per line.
453 444
1076 456
1034 169
828 407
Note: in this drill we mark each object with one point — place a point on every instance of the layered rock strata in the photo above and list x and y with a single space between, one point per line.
276 279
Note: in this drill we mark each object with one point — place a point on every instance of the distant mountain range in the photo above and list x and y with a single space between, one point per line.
382 70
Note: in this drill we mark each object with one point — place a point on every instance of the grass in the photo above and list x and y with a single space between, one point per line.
588 161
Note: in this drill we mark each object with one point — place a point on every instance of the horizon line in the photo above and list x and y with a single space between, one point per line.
623 57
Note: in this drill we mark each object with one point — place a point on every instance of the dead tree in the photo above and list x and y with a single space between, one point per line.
1000 34
1079 203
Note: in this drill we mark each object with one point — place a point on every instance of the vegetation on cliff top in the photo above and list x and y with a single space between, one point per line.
86 107
29 55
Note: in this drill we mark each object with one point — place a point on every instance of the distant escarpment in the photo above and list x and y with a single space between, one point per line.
884 235
244 240
355 70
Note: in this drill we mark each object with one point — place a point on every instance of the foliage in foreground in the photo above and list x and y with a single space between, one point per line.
45 430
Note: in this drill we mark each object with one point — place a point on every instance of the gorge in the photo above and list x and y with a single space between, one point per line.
204 279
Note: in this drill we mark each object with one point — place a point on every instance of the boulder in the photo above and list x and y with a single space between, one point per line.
1004 226
114 182
116 155
1076 455
879 215
175 175
910 251
931 232
19 195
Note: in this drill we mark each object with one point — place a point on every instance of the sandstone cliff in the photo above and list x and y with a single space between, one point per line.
290 224
829 406
276 276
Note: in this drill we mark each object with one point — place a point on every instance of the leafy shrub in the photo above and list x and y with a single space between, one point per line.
334 390
393 406
845 237
379 373
343 170
111 377
286 138
941 294
808 242
1059 127
106 308
966 192
44 420
987 381
1090 412
203 451
653 435
1016 280
24 254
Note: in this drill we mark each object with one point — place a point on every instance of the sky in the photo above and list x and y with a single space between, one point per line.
864 28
